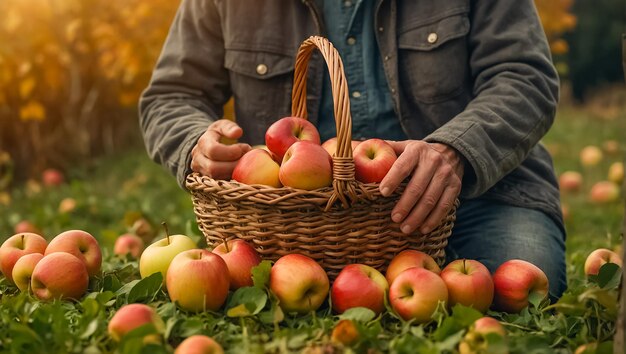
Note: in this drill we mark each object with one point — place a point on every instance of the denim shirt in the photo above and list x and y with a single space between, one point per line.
350 27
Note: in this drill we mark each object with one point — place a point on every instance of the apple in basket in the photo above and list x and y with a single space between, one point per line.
373 158
257 167
286 131
240 258
306 165
330 145
300 284
359 285
408 259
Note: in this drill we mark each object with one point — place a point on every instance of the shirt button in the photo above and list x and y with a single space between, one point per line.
261 69
393 90
356 94
347 3
387 57
351 41
432 38
380 29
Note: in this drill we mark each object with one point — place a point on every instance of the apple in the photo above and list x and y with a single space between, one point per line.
415 294
143 228
599 257
306 165
82 245
128 244
257 167
345 332
604 192
590 156
59 275
330 145
408 259
158 256
286 131
199 344
240 258
17 246
611 147
359 285
300 284
616 173
25 226
373 158
23 270
132 316
475 340
67 205
514 282
51 177
570 181
197 280
469 283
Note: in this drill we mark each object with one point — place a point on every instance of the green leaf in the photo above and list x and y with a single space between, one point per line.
246 301
609 276
461 318
145 289
358 314
261 274
536 298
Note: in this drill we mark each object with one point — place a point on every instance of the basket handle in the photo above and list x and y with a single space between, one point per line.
344 183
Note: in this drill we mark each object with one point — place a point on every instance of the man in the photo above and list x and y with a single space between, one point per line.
465 89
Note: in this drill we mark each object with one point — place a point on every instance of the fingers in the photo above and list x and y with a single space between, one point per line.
404 166
210 146
227 128
443 207
213 169
398 146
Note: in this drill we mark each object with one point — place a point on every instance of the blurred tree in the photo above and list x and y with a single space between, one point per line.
557 19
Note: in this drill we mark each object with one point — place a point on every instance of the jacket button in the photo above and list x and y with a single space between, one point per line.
261 69
432 38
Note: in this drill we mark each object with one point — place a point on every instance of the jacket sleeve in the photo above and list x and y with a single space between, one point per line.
188 87
515 90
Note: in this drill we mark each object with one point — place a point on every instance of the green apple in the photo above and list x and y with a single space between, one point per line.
158 256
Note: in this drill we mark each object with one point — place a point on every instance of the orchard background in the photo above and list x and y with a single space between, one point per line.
71 72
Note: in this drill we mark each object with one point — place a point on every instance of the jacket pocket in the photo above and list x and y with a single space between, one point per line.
433 58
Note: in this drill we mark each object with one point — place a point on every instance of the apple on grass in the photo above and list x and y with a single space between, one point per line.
345 332
306 165
373 158
599 257
59 275
415 294
51 177
469 283
515 281
480 337
82 245
616 173
197 280
158 256
17 246
257 167
409 259
25 226
300 284
199 344
604 192
570 181
240 258
23 270
132 316
128 244
288 130
590 156
330 145
359 285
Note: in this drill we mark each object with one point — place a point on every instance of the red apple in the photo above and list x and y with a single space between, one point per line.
596 259
570 181
330 145
132 316
199 344
23 270
415 294
197 280
611 147
82 245
17 246
409 259
257 167
240 258
358 285
616 173
372 160
286 131
128 244
51 177
475 340
67 205
306 165
345 332
514 281
604 192
590 156
59 275
25 226
300 284
469 283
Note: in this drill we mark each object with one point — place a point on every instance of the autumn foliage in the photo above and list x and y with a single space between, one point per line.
71 72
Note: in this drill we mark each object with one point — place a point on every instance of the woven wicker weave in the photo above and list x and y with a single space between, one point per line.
349 222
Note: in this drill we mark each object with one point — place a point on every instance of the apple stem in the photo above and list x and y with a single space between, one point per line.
167 232
226 245
464 269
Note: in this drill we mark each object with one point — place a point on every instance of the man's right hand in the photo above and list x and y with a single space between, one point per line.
211 157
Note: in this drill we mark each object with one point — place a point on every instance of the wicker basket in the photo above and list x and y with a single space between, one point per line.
349 222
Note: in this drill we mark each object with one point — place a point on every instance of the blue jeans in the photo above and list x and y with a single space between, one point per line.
492 233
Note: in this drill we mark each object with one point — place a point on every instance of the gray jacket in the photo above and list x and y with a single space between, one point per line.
476 75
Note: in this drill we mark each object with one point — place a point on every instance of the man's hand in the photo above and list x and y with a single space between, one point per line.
436 170
211 157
